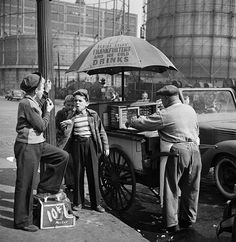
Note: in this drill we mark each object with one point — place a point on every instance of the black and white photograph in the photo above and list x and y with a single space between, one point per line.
118 120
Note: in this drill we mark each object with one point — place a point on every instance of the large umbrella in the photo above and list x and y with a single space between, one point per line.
121 53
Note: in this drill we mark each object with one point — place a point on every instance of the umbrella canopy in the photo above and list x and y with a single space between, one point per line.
121 53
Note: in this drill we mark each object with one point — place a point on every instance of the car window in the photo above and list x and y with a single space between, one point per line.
210 101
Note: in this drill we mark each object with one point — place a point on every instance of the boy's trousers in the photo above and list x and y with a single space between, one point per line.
28 157
85 158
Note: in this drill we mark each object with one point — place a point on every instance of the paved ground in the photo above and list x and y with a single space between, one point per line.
91 226
139 223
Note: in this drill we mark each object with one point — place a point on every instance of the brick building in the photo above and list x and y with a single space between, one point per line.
75 26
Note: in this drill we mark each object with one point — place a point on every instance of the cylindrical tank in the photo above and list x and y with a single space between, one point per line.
199 36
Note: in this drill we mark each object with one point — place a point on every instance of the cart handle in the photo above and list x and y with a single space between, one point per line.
207 146
165 154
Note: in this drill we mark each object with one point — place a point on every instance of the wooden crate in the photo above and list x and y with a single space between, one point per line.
147 109
52 214
118 115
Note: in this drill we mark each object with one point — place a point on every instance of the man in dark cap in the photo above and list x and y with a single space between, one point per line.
30 149
85 137
178 129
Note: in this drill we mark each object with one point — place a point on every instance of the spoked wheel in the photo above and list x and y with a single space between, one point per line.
225 176
117 180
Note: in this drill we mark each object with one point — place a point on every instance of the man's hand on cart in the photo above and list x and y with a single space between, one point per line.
130 120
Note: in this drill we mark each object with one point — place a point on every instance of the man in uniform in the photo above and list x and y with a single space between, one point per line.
178 128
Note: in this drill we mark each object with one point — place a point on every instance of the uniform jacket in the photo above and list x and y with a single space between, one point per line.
98 133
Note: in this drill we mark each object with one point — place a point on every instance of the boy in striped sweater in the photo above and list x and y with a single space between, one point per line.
87 138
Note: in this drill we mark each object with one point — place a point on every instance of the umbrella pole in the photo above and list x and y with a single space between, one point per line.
123 85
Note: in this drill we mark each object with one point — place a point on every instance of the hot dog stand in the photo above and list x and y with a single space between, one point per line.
134 155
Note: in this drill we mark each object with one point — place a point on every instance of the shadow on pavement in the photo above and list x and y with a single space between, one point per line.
7 184
145 213
145 216
6 214
6 223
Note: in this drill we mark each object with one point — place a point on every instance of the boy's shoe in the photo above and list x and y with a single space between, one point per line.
29 228
168 231
173 229
185 224
100 209
77 207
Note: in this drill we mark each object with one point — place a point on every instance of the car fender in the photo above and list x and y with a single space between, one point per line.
210 156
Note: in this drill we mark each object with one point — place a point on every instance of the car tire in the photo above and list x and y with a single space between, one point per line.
225 176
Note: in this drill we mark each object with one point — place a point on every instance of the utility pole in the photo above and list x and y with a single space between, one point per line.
114 18
143 27
99 19
80 26
45 57
113 33
123 18
128 30
59 70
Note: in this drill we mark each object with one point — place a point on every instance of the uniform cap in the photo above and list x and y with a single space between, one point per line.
30 82
82 92
169 90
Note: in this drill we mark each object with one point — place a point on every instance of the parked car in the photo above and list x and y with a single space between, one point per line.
15 95
216 109
8 94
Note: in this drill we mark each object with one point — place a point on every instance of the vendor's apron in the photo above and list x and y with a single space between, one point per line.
164 147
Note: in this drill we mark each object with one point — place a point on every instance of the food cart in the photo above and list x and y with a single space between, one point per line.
134 155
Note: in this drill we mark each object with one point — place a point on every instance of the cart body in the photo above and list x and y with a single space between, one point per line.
134 156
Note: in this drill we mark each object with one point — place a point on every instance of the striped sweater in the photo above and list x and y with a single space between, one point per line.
81 126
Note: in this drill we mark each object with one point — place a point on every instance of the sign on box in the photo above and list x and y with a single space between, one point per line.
54 215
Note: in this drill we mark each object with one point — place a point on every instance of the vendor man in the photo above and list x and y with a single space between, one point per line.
178 130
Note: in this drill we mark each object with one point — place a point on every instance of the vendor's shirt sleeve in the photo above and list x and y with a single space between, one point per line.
34 118
149 123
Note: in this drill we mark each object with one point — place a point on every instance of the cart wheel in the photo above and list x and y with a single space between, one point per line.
117 180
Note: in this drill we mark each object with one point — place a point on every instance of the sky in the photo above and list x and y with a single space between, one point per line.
135 7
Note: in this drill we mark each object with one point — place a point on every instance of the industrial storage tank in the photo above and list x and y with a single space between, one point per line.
199 36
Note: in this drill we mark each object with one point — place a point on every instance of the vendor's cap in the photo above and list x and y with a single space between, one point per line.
82 92
169 90
30 82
